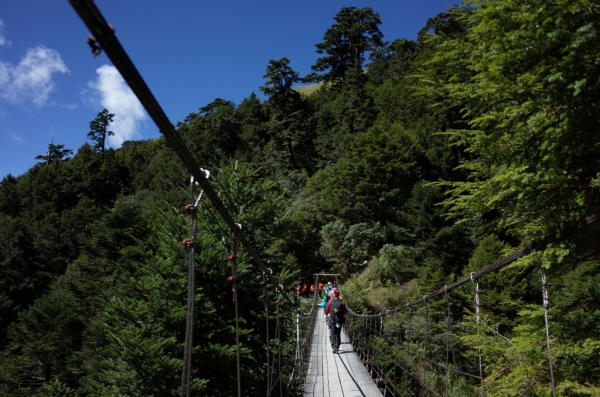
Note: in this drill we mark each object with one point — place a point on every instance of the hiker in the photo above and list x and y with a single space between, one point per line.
327 289
324 302
332 291
336 308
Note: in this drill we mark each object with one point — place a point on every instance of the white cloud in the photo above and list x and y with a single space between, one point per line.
31 79
116 96
69 106
3 40
16 138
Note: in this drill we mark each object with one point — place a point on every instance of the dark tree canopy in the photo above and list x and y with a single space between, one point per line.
289 114
99 129
280 78
55 152
345 43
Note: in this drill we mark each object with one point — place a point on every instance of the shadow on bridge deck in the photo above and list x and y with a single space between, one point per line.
341 374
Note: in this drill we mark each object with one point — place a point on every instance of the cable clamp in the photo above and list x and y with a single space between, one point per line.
189 209
187 243
239 228
94 42
206 176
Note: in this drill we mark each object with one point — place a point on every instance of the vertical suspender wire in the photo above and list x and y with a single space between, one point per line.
265 299
276 350
477 315
406 336
186 370
545 298
279 291
425 343
380 369
233 258
297 340
372 334
397 322
361 335
452 343
273 380
447 341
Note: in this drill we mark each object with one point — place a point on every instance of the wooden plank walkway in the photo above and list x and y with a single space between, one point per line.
336 375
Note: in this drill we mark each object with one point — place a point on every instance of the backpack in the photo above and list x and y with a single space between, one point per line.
335 313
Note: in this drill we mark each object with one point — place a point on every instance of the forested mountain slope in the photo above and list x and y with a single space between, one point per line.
413 164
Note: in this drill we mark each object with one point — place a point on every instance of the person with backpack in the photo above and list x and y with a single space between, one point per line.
337 310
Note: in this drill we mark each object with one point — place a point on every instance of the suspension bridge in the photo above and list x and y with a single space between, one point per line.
339 374
413 350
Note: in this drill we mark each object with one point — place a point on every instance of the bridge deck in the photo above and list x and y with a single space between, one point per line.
336 375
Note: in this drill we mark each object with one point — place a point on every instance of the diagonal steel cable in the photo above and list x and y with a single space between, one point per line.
104 34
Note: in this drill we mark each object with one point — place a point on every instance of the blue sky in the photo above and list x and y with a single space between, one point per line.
188 51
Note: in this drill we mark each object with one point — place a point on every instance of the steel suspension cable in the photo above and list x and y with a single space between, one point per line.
450 348
104 35
573 229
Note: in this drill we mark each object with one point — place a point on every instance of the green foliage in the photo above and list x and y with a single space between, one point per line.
99 129
48 333
289 113
56 389
212 134
524 74
350 248
355 32
55 152
371 182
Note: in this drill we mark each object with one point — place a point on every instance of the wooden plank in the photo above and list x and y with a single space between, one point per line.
336 375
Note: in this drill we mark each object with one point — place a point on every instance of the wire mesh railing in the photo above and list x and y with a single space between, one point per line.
423 349
305 324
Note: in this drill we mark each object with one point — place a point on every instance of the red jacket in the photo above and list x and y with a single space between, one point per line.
343 307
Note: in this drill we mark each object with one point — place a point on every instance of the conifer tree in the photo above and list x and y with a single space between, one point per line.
355 32
55 152
288 113
99 129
